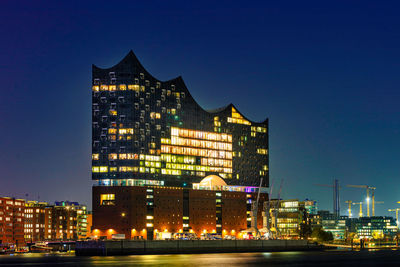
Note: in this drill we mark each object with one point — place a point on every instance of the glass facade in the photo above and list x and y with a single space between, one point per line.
146 131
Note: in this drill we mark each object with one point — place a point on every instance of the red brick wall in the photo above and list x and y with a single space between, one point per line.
12 221
202 211
128 213
168 209
233 212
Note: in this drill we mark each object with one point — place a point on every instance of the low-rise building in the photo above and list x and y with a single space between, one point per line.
330 223
291 215
64 220
12 221
139 212
376 227
36 219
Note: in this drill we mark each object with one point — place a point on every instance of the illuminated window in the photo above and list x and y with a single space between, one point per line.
262 151
103 169
133 87
112 156
95 156
237 118
107 199
126 131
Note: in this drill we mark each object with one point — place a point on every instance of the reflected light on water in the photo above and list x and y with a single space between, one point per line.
292 258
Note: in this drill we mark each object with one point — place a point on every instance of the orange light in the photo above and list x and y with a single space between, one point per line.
204 231
133 230
165 230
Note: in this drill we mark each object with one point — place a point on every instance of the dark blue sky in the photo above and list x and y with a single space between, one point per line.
325 73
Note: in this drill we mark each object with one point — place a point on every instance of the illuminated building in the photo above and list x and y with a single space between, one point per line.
376 227
151 136
12 221
62 221
291 215
210 207
37 218
82 222
149 132
330 222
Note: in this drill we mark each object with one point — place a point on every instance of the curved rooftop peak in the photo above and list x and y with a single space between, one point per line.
131 62
134 63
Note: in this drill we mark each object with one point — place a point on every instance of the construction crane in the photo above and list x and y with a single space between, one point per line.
369 189
397 215
266 214
254 210
349 209
275 212
360 214
336 199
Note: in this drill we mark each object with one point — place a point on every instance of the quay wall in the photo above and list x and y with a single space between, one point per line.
132 247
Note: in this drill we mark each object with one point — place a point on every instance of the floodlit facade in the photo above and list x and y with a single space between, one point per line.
64 220
140 212
333 223
149 132
291 214
150 137
12 221
376 227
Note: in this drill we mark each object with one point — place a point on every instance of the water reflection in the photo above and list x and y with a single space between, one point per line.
321 258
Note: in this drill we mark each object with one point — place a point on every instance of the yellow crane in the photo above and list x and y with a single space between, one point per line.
368 199
397 215
360 214
349 209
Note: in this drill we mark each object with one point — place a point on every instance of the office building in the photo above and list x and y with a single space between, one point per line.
376 227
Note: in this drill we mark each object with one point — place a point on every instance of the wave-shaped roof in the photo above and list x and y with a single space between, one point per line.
131 64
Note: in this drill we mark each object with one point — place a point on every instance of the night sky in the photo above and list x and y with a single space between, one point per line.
326 74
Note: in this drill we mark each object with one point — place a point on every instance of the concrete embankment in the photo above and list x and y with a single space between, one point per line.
132 247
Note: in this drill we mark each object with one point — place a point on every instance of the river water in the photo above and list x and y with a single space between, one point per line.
338 258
